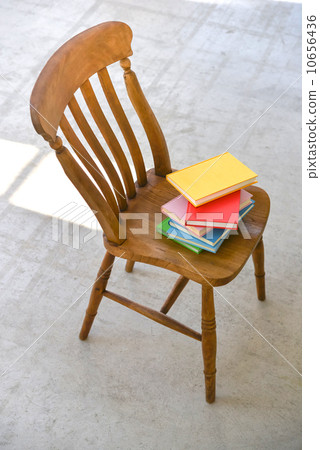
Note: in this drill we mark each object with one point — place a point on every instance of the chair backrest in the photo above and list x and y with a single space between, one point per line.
68 71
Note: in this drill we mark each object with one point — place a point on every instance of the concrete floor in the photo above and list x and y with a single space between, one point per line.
210 70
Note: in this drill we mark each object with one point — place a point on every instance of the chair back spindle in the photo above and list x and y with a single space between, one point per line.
150 124
124 125
99 151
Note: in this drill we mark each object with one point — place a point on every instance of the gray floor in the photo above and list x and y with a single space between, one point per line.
219 75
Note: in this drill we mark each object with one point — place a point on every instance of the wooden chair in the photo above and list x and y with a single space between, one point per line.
70 69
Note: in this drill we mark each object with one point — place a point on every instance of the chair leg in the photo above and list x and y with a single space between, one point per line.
174 294
209 341
258 261
129 266
96 294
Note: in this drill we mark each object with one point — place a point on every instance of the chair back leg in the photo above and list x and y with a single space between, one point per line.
97 294
174 294
129 266
209 341
258 261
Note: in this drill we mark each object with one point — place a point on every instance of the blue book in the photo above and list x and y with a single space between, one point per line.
210 241
179 235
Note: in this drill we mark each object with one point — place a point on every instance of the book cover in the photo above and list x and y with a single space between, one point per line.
200 230
199 227
245 198
220 213
212 178
176 209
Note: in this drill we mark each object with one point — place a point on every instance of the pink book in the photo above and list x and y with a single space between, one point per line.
245 198
176 209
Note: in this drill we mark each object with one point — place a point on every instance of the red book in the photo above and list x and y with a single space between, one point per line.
220 213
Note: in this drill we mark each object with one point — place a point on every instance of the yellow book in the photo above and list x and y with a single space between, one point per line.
212 178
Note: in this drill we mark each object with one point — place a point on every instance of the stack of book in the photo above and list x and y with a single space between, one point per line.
212 202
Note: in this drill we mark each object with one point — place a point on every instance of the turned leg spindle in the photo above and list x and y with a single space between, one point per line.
258 261
96 294
209 341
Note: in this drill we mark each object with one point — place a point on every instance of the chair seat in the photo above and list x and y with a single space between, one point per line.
219 268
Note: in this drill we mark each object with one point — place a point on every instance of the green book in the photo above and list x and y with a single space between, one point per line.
164 226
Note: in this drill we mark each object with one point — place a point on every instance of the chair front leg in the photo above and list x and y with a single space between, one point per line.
258 261
209 341
96 294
